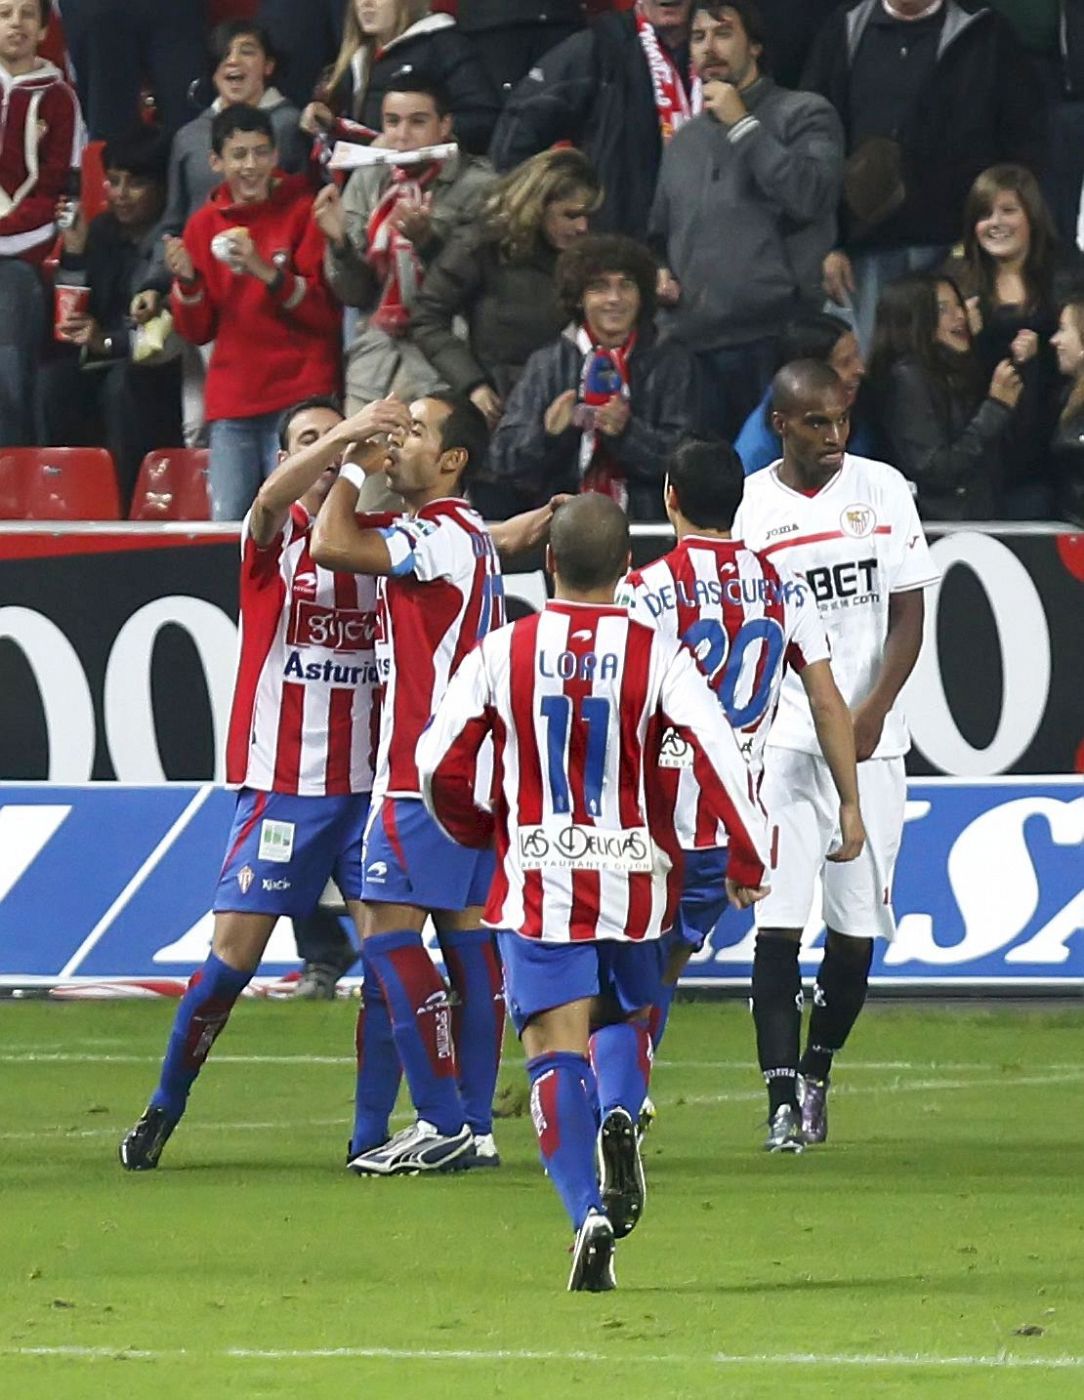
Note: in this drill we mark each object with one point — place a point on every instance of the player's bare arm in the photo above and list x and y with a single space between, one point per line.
524 531
835 734
905 616
301 471
340 543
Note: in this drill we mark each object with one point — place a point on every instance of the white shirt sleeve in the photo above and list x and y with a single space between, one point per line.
910 565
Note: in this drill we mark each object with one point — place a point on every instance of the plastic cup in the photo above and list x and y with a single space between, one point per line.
68 300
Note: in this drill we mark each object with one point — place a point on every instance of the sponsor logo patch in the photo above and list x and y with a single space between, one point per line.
674 751
276 841
575 847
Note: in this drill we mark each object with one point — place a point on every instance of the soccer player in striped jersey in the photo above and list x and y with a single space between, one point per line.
576 700
439 592
748 622
300 742
848 526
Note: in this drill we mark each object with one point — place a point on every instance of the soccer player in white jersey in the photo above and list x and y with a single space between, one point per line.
576 700
849 527
300 744
439 592
748 622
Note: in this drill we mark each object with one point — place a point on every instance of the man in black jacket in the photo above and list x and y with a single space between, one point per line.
930 94
618 91
602 407
511 35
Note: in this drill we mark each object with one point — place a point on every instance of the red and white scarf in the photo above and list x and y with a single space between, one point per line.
604 375
391 254
672 103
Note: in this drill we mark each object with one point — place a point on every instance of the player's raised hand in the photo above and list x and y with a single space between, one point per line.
745 896
381 418
852 833
523 531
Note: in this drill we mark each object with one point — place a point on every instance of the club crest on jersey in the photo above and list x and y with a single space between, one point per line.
858 521
245 877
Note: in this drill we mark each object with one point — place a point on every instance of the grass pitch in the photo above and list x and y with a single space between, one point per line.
934 1247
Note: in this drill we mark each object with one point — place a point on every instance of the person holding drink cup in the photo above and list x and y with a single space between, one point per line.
114 379
41 140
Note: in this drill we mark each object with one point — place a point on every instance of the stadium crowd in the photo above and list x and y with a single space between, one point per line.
608 224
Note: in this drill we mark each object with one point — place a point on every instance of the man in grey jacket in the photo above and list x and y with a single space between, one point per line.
744 212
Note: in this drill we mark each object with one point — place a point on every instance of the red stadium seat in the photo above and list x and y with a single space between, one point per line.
58 483
172 485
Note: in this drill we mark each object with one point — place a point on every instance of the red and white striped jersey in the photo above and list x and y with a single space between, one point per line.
745 621
304 710
577 699
444 594
855 542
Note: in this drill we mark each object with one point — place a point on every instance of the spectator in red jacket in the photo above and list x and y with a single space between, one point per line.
41 140
247 275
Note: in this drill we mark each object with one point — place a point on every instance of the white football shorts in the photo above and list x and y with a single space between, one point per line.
803 824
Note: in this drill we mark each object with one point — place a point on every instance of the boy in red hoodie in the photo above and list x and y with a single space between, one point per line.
248 275
41 140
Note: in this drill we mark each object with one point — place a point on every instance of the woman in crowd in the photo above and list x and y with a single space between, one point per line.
382 37
1011 260
601 407
1068 444
814 336
943 425
499 277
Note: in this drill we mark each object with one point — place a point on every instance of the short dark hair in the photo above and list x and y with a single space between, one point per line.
239 119
465 427
812 336
800 378
589 536
141 150
417 82
752 21
708 480
45 8
223 35
295 410
595 255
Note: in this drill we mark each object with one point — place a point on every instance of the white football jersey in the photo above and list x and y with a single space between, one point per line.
855 542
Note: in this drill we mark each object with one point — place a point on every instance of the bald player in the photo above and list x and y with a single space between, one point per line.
849 527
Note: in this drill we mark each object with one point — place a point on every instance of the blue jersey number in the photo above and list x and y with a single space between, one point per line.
722 662
595 714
